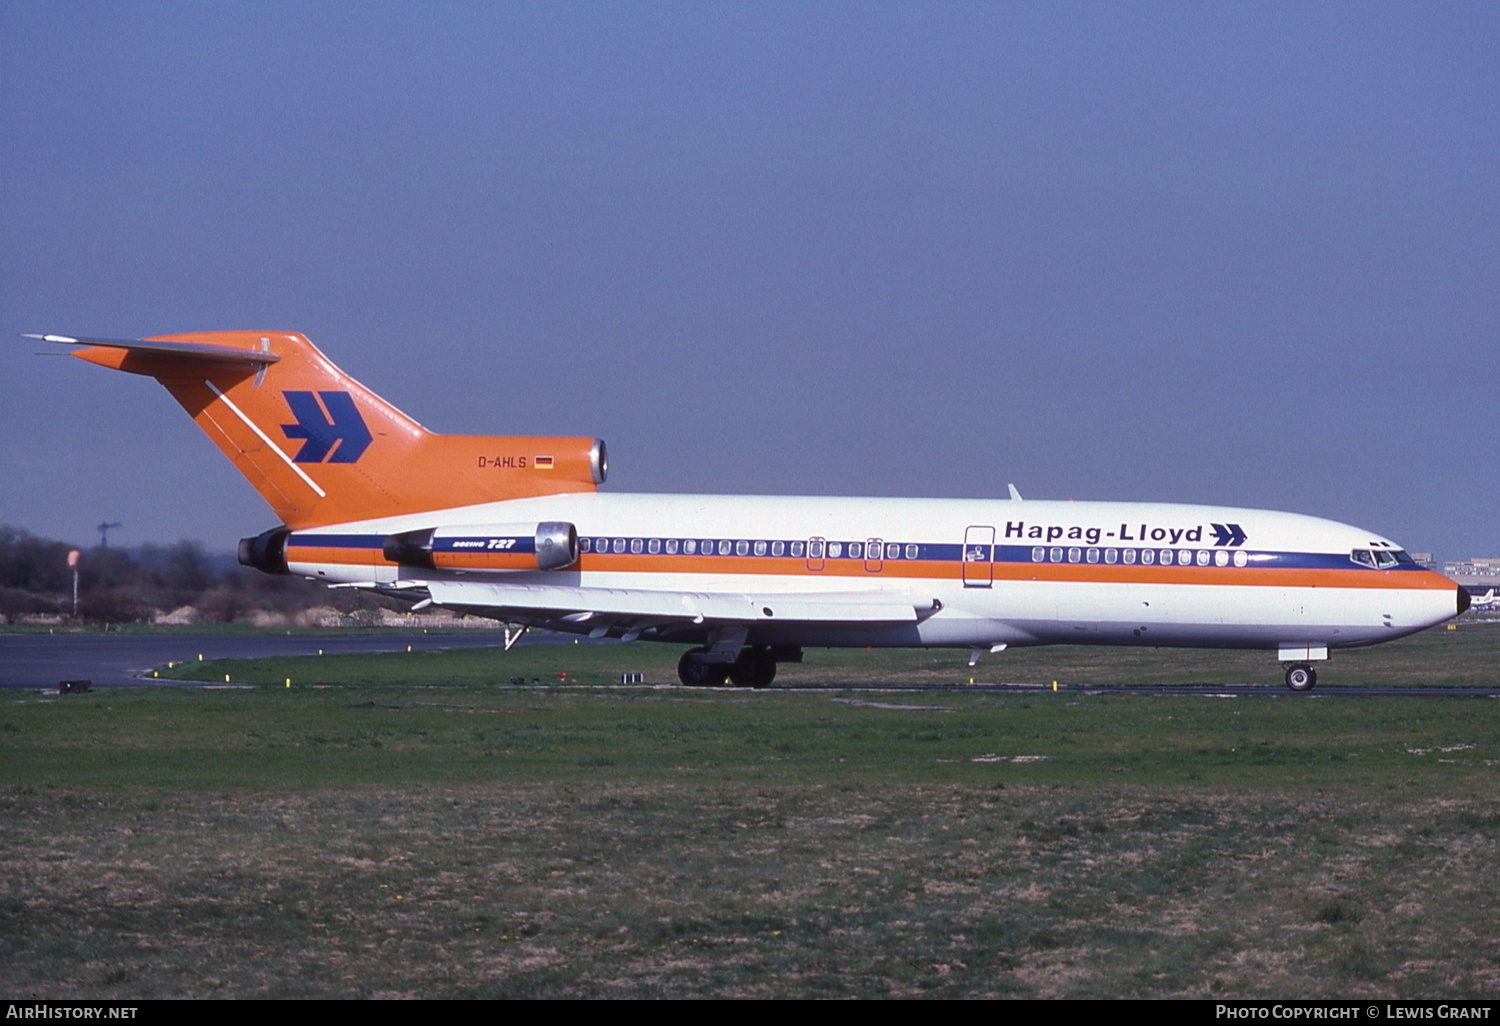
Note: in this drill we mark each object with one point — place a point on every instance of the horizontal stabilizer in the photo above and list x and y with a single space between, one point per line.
195 350
847 607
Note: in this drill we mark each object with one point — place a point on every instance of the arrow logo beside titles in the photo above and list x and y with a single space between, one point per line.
1228 534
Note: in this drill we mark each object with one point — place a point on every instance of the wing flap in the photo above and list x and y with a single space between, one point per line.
827 607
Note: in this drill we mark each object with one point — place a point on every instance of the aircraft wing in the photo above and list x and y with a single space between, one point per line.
638 609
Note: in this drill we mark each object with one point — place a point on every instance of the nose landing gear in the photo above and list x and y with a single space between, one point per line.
1301 677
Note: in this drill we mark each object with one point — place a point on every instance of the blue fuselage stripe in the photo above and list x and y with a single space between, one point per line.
926 551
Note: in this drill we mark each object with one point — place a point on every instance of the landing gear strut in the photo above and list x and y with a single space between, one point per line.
1301 677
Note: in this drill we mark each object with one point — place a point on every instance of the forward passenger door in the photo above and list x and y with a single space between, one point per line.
978 557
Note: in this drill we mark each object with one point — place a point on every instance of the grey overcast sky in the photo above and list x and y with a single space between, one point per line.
1201 252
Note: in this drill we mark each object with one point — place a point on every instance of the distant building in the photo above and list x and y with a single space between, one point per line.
1424 559
1479 572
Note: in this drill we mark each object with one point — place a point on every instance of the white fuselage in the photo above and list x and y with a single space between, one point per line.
971 572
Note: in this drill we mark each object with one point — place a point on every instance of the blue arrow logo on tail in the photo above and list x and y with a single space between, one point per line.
1228 534
341 426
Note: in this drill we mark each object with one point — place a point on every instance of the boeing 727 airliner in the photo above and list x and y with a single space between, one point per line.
516 529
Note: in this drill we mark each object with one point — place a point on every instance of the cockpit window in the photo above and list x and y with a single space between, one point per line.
1379 559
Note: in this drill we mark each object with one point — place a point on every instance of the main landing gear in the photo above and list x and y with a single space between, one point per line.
755 667
1301 677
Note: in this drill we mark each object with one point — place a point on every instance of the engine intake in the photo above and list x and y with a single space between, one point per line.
266 552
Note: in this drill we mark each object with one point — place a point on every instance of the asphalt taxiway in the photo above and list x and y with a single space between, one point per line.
1273 689
122 660
119 660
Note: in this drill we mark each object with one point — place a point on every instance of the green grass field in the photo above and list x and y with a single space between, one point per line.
412 827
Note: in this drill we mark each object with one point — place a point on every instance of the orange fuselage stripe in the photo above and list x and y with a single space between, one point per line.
918 569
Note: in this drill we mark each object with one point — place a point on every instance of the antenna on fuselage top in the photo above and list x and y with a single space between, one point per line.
1015 496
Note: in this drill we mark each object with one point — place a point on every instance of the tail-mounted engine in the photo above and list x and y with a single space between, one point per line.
550 545
266 552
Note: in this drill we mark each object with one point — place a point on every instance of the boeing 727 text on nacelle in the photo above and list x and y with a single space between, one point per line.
516 529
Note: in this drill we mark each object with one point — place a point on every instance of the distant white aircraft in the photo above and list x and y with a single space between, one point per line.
1485 601
515 528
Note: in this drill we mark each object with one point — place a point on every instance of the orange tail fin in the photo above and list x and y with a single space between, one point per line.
323 449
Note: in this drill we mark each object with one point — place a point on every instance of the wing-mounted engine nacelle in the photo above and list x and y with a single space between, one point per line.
266 552
550 545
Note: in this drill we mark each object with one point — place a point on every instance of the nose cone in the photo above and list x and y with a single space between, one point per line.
1463 601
